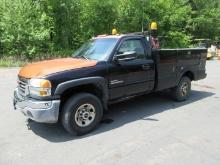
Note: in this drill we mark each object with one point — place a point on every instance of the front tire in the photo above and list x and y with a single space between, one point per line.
81 113
182 91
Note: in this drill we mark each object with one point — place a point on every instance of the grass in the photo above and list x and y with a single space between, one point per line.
11 62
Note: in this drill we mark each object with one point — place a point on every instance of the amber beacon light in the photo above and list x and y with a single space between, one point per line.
153 26
114 31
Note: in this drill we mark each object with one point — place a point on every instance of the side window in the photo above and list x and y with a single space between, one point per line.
133 45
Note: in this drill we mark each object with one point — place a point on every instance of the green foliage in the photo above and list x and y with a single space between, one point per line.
130 13
12 62
66 17
30 28
25 28
97 17
175 39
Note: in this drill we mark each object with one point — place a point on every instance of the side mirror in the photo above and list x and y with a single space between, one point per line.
126 56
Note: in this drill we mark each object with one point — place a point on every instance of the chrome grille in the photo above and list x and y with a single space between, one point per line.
22 86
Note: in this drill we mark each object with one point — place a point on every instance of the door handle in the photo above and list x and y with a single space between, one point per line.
145 67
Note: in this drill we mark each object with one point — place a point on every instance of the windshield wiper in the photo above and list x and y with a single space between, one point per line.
83 56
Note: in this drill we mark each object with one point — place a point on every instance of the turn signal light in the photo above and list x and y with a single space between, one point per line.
45 84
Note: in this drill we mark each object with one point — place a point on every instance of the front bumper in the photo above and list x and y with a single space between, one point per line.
39 111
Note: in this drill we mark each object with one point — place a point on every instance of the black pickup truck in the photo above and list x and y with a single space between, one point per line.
105 70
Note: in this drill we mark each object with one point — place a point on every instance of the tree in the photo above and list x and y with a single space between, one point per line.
130 14
205 22
66 17
173 17
33 27
97 17
25 28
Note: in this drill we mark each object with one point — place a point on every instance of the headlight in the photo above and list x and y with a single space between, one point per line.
40 87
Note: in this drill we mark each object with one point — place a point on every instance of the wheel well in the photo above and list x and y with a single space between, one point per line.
189 74
89 88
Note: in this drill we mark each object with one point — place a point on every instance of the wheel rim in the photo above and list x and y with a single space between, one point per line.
184 89
85 115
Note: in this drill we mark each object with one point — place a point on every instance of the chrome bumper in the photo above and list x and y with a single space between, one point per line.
39 111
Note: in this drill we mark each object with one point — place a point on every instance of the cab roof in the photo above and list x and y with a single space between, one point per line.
136 34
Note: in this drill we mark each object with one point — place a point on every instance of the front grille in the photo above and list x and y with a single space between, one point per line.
22 86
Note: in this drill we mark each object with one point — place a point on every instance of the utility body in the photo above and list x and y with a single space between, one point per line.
105 70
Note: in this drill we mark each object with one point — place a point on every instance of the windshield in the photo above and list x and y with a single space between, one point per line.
96 49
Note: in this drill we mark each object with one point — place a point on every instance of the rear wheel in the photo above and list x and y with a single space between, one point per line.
182 91
81 113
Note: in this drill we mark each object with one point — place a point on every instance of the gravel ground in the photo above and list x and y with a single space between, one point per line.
147 130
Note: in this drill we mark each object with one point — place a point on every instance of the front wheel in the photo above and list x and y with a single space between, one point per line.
182 91
81 113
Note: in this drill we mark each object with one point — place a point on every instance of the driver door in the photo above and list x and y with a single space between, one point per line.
130 77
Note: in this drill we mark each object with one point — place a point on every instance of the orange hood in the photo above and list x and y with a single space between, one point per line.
43 68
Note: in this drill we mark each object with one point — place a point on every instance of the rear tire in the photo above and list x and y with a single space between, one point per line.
81 113
182 91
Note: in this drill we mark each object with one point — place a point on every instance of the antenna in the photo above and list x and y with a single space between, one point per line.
142 16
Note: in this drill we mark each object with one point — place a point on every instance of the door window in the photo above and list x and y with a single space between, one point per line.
133 45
